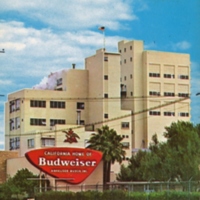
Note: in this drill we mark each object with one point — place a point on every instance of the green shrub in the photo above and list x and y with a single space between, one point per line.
55 195
114 195
117 195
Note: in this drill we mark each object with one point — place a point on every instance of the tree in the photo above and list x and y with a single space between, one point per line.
133 171
177 159
109 143
18 185
184 140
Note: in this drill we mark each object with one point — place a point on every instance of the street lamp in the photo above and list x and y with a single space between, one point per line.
2 51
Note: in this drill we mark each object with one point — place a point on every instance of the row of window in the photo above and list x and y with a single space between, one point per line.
130 59
14 123
168 76
53 104
45 142
168 94
42 122
14 143
15 104
130 47
181 114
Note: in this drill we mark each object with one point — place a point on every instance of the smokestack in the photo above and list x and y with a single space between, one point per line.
73 65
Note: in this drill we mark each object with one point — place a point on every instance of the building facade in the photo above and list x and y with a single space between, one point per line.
130 91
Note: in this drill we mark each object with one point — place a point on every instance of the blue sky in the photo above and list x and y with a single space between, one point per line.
44 36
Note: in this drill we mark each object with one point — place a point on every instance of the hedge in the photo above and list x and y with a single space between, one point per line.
117 195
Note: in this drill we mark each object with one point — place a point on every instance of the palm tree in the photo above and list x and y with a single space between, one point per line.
109 143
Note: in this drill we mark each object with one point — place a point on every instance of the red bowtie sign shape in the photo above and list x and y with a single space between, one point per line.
73 165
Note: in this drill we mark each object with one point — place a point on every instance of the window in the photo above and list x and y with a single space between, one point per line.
131 93
105 77
106 58
154 75
131 59
169 76
14 105
48 142
14 143
106 96
169 94
80 122
17 102
124 60
154 112
120 51
131 76
39 104
59 81
57 104
31 143
124 49
183 76
169 114
183 114
106 116
125 145
12 124
125 124
183 94
153 93
17 122
125 78
37 122
131 47
80 105
56 121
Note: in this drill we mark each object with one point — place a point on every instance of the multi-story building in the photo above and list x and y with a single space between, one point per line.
135 92
156 87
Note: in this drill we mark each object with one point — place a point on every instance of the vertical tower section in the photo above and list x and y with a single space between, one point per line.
167 84
132 88
104 107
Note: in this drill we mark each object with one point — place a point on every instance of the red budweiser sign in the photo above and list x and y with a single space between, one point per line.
71 164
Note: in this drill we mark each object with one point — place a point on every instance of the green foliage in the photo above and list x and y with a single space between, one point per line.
23 182
7 189
56 195
113 195
118 195
177 159
18 185
109 143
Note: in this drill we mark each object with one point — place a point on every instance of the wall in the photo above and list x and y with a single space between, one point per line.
4 155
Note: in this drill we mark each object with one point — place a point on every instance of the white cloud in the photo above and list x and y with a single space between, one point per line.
32 52
6 82
74 14
183 45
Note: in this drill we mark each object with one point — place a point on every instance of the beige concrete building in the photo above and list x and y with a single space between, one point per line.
135 92
156 87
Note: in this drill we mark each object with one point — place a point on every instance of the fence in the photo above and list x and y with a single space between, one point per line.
148 187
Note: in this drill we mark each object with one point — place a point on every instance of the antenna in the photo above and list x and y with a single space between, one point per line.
102 28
